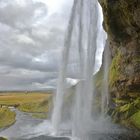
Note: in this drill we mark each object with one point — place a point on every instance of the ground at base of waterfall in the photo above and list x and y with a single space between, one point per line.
93 136
34 102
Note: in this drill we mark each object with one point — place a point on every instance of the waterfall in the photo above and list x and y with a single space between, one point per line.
84 91
84 35
105 81
56 117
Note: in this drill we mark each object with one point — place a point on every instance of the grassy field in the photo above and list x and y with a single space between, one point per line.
17 99
7 117
35 103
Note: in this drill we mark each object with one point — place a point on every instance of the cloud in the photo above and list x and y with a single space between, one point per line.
24 39
47 61
21 16
24 79
30 43
31 40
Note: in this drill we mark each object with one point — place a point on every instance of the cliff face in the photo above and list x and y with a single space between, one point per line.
122 23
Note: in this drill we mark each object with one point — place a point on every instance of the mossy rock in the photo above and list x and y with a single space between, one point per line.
99 79
114 72
135 120
121 101
122 23
125 113
121 19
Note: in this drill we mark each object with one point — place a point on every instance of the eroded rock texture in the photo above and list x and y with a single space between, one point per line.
122 23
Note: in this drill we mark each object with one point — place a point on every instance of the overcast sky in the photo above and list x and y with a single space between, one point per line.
31 38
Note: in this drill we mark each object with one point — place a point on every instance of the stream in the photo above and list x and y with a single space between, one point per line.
28 128
24 127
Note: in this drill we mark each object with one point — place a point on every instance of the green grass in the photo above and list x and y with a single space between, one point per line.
135 120
7 117
35 103
115 69
35 107
31 102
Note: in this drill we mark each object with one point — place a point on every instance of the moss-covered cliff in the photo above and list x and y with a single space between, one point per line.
122 23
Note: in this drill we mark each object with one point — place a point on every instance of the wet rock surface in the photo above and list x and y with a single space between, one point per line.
122 23
92 137
47 138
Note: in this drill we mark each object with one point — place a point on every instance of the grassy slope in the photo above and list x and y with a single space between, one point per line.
7 117
36 106
31 102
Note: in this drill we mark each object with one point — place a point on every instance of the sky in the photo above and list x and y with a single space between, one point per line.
31 38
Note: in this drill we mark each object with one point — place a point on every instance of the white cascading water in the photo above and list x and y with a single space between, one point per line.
84 91
84 36
58 102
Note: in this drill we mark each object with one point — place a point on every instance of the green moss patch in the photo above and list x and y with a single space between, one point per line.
7 117
120 101
135 120
127 112
114 72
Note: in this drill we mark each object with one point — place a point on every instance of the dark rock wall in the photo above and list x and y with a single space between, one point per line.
122 23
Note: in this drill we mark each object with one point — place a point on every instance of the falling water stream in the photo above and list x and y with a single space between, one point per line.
82 116
105 81
84 36
56 117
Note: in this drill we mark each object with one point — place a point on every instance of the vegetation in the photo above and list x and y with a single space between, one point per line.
127 112
7 117
135 120
122 25
1 138
35 107
115 69
36 103
17 99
